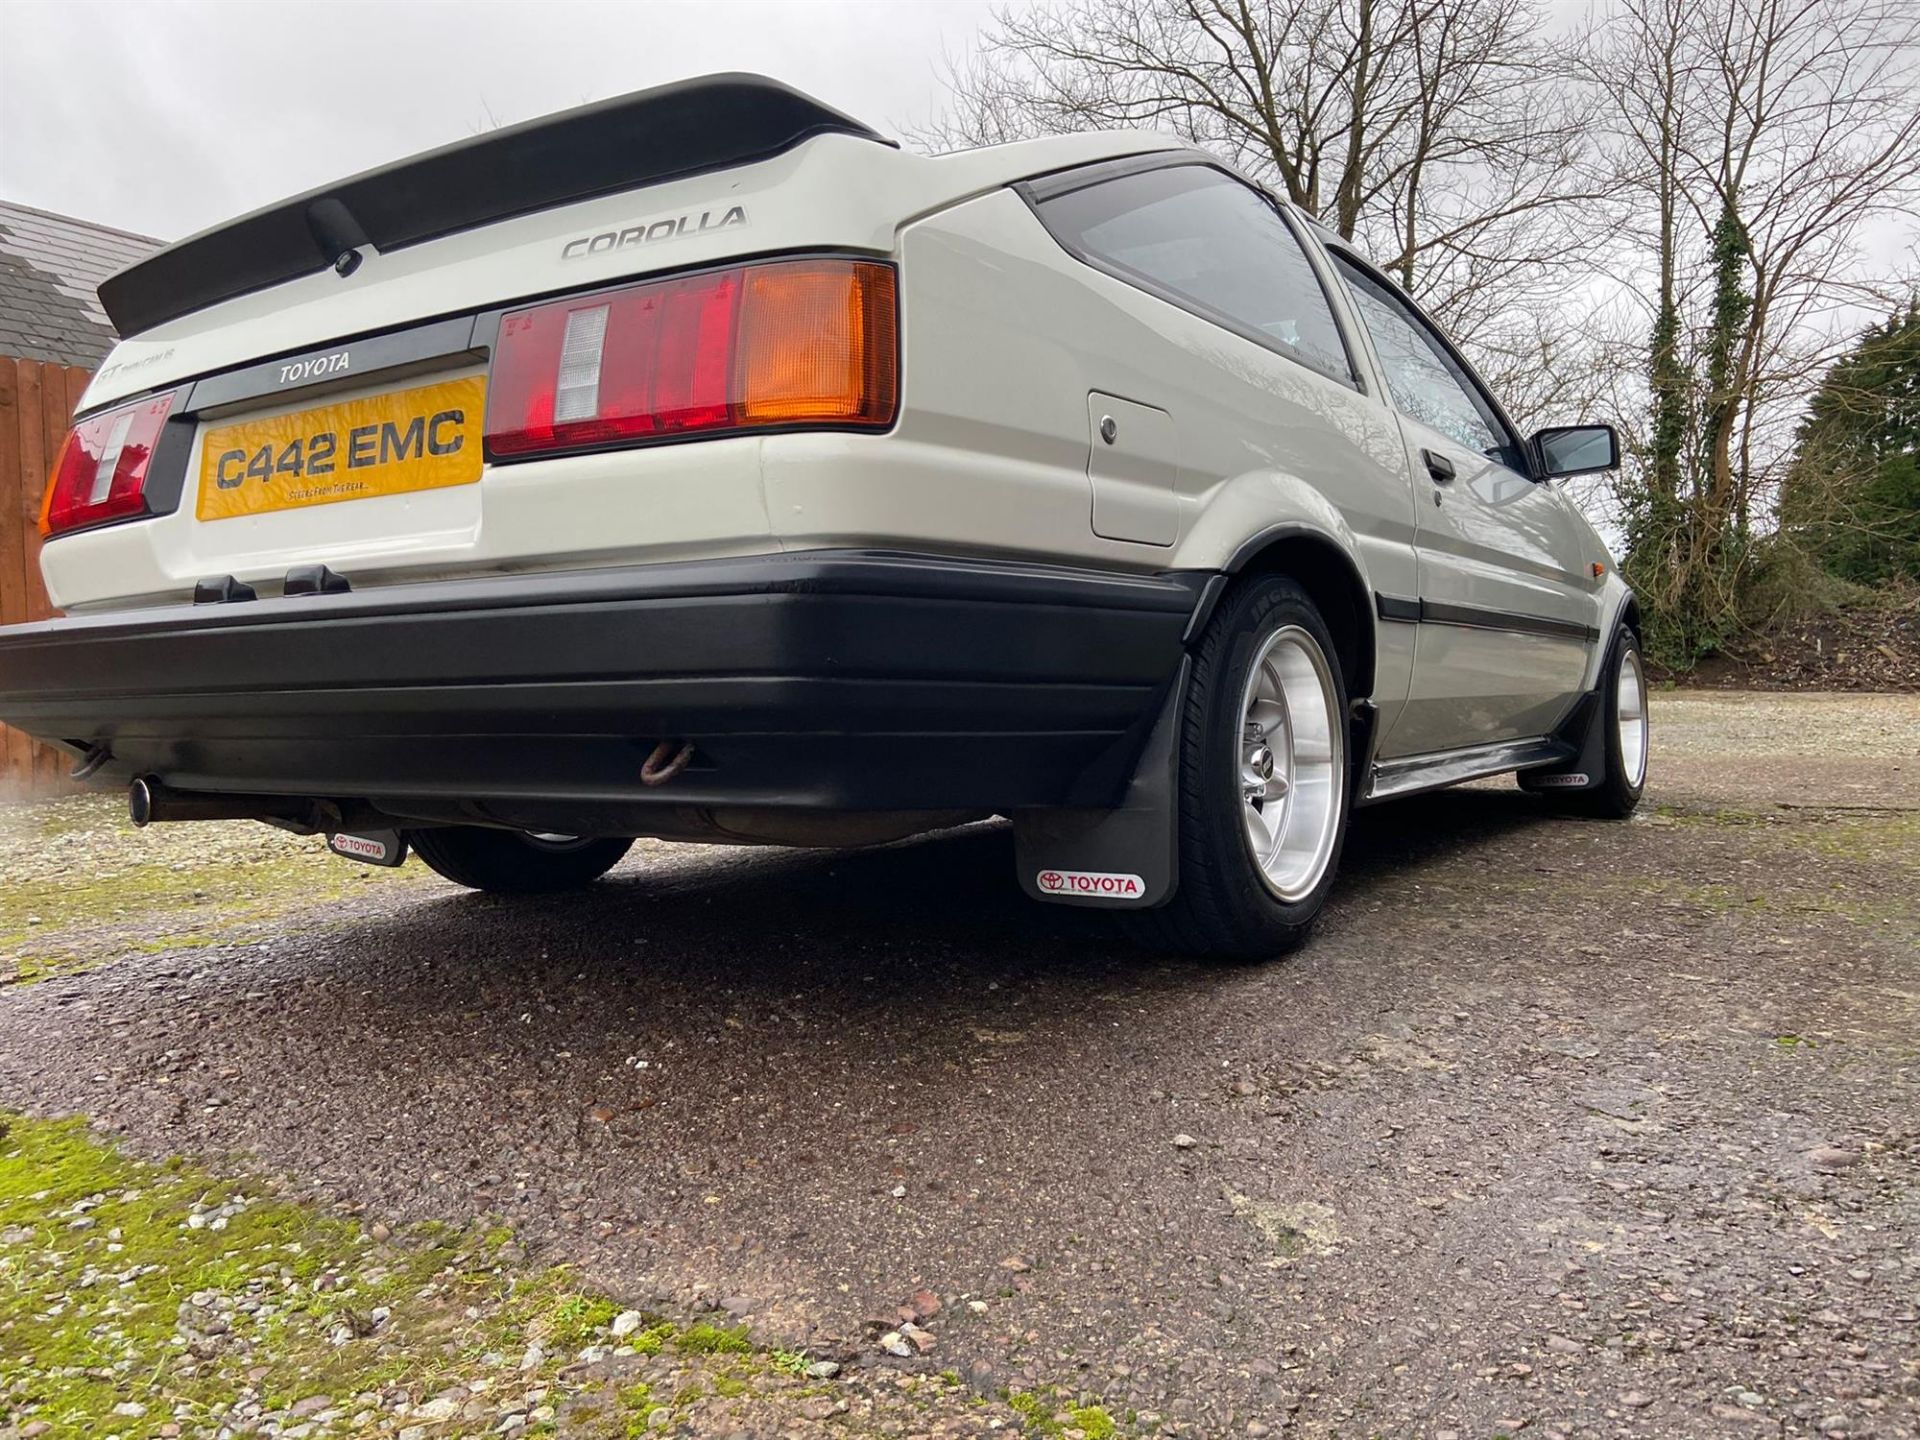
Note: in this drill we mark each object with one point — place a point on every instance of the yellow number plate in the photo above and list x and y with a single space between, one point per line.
423 439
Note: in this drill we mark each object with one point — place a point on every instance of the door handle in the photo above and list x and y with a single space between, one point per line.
1438 466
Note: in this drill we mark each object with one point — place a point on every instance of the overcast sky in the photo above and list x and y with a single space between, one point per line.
166 116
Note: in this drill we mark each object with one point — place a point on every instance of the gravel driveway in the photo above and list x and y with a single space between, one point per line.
1558 1127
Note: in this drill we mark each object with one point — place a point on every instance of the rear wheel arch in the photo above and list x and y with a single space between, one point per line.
1331 579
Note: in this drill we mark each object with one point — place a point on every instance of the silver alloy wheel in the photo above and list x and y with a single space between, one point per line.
1630 714
1291 763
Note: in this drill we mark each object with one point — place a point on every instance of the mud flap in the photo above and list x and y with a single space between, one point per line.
1584 731
1126 858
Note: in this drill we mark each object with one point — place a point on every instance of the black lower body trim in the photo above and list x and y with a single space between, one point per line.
833 680
1434 612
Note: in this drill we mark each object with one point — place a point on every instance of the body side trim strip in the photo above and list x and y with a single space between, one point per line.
1472 617
1433 612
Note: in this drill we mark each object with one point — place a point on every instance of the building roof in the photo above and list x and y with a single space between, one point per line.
51 267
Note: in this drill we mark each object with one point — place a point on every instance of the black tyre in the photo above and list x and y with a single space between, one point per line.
1626 742
512 862
1264 786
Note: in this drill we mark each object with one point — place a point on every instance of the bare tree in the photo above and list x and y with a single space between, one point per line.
1636 62
1769 139
1437 133
1664 214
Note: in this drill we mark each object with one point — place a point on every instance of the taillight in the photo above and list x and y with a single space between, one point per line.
101 473
789 342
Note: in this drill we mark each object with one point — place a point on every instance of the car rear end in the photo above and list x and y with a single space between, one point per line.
259 349
439 496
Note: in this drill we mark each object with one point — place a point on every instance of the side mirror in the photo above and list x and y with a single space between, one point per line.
1567 450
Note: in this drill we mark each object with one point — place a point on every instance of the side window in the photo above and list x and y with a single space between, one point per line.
1428 384
1208 243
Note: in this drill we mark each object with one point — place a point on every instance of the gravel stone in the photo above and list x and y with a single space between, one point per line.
626 1323
1832 1157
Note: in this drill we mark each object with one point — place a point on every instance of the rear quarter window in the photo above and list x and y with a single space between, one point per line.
1202 240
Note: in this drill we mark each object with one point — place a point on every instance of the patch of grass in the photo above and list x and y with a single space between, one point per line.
1718 818
1043 1413
165 1287
652 1340
705 1339
576 1320
64 923
56 903
215 1305
1872 838
209 1301
72 815
636 1407
1719 897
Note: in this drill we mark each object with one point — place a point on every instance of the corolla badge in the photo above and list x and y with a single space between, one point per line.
672 227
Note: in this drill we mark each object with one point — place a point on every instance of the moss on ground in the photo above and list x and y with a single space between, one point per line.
1045 1413
1835 841
1714 818
135 1297
1892 837
186 903
83 887
150 1300
706 1339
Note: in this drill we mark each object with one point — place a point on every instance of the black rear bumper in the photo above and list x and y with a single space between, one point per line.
834 680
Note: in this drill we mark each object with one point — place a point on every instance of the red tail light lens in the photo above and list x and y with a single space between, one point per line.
791 342
101 472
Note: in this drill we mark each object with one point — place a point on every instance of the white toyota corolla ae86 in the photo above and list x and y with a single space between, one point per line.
701 465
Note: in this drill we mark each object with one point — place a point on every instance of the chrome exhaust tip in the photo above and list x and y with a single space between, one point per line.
151 801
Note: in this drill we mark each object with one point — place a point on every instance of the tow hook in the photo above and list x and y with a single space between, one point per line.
89 764
665 762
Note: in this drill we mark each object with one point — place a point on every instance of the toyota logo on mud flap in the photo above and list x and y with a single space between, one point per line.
1091 883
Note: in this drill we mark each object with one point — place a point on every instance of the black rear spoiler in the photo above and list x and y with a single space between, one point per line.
711 123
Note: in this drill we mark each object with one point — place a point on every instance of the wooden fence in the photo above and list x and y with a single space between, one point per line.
35 401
